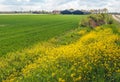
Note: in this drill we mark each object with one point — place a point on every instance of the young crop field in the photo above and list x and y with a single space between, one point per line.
20 31
59 48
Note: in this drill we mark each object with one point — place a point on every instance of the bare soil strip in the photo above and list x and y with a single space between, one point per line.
116 17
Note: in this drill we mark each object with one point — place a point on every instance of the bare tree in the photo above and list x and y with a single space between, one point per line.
105 10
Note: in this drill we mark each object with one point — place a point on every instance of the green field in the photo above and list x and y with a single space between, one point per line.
20 31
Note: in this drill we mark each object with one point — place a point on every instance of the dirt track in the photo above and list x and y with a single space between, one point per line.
116 17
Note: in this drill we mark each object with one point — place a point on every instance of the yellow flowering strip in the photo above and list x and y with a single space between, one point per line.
94 57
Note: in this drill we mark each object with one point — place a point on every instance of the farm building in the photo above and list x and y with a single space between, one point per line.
56 12
77 12
66 12
72 12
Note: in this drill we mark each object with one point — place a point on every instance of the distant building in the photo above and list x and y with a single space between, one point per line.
76 12
36 12
56 12
66 12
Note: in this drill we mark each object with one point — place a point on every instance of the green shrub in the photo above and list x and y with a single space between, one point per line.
84 23
95 20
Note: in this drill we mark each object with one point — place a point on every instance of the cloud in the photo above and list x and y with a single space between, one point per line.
23 0
112 5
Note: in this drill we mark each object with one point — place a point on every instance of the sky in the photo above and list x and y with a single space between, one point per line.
49 5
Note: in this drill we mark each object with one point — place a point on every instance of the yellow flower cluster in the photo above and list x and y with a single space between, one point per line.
94 57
